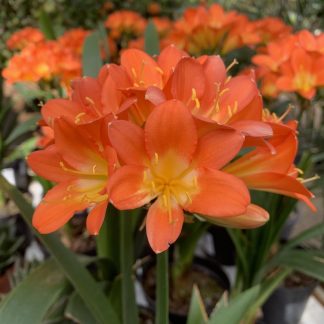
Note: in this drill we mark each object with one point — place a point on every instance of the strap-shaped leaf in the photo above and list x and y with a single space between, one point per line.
31 299
313 231
91 58
23 128
310 262
77 274
197 312
151 39
78 311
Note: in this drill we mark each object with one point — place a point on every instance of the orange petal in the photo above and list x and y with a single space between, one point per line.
170 127
300 60
253 128
46 163
285 83
188 75
162 228
263 160
96 217
218 147
255 216
168 59
220 194
55 210
141 68
85 88
235 93
279 183
55 108
75 147
128 140
125 188
155 95
215 74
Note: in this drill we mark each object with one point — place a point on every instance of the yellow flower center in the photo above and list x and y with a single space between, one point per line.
304 80
172 179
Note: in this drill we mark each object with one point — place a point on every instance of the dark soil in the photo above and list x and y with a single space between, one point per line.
180 290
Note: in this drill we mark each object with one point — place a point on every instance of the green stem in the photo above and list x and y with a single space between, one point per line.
129 307
106 242
162 289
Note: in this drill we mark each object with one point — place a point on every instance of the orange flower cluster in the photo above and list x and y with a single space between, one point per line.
45 60
200 30
24 37
210 30
167 133
294 63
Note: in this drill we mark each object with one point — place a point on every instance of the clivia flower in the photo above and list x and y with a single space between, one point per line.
167 162
80 163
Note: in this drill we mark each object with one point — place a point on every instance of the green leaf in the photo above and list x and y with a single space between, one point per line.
23 128
21 151
46 25
91 58
78 275
246 303
104 40
237 308
197 312
151 39
31 299
311 232
28 91
310 262
78 311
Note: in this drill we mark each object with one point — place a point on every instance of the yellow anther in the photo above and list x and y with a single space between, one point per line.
165 201
300 171
156 158
188 197
94 169
194 98
235 107
223 91
78 117
93 105
229 111
89 100
134 72
159 70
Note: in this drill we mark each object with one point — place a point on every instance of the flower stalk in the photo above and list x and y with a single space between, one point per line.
162 289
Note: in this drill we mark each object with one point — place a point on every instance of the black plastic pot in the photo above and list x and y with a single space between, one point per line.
206 267
286 305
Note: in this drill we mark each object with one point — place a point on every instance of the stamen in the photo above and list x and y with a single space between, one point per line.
288 110
94 169
159 70
194 98
77 118
134 72
93 105
232 64
156 158
315 177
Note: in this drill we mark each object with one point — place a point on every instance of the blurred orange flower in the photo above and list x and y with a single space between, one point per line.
125 22
24 37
